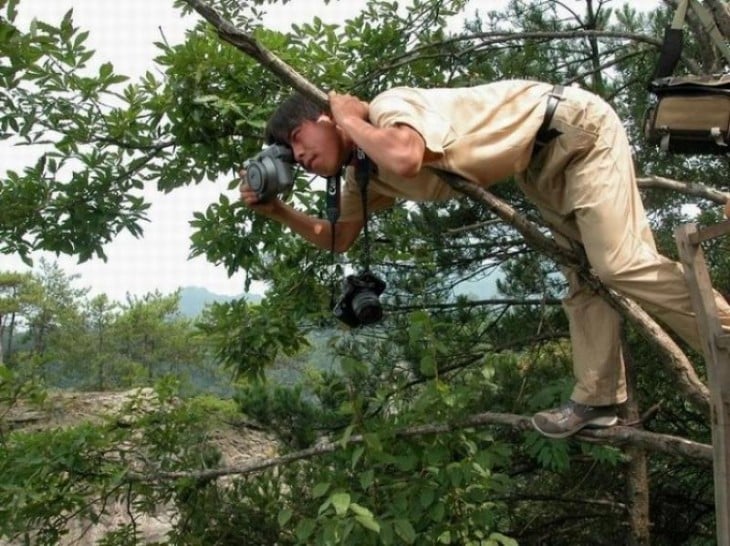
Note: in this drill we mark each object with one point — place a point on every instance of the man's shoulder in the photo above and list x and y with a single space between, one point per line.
403 97
406 90
397 93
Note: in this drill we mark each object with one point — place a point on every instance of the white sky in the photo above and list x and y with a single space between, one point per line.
123 32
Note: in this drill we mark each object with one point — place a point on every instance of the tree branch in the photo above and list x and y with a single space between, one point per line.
619 435
688 188
479 303
721 13
251 47
487 39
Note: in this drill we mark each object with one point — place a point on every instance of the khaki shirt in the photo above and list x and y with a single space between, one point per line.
483 133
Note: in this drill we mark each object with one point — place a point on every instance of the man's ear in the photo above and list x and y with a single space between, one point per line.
325 118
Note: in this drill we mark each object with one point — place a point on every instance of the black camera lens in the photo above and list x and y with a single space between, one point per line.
270 172
359 304
256 178
366 306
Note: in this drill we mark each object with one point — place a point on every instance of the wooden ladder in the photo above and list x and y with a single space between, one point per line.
716 348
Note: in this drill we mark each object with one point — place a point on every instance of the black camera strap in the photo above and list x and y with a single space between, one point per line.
363 167
333 207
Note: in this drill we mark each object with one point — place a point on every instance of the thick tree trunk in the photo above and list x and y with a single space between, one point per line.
11 333
2 334
721 13
637 475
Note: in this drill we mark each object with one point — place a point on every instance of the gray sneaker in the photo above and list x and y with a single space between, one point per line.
571 417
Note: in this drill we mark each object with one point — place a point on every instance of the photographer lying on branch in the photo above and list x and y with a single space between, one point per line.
570 156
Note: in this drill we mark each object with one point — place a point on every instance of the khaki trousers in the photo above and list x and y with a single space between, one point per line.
584 185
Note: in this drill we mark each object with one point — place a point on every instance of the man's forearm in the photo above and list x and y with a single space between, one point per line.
316 231
396 149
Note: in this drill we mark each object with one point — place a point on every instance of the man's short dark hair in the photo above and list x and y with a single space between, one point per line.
294 110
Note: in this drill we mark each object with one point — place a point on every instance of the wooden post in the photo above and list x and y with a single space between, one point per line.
716 348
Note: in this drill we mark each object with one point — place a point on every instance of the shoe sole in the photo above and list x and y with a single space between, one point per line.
598 422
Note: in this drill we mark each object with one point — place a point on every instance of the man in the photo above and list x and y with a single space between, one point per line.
570 155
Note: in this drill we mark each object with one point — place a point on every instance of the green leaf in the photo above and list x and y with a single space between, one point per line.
437 512
320 489
368 522
426 497
372 441
105 70
341 502
360 510
499 538
206 99
119 78
406 462
12 12
428 365
356 454
304 529
81 38
284 517
346 436
367 478
405 530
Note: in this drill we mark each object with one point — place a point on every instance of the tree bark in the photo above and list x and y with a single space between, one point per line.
637 474
721 13
619 436
688 188
2 335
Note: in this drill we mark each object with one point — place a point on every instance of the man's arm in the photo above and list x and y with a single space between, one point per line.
399 149
315 230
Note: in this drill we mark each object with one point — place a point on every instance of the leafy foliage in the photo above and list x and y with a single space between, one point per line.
54 333
437 357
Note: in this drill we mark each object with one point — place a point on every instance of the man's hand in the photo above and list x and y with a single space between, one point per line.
396 148
345 106
315 230
251 200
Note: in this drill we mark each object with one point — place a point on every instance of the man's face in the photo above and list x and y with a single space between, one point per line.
318 146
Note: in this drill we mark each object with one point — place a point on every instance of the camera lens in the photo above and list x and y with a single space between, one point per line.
256 177
366 307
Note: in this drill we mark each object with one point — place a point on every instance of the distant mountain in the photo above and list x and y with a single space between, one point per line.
193 299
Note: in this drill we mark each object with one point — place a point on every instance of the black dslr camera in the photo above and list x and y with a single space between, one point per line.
271 172
360 303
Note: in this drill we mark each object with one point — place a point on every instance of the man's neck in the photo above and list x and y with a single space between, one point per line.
350 158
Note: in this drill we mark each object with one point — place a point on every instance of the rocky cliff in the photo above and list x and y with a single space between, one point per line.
238 443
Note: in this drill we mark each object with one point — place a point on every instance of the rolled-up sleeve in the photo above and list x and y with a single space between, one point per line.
405 106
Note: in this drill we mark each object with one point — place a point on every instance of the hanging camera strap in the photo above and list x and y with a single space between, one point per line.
363 167
333 207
